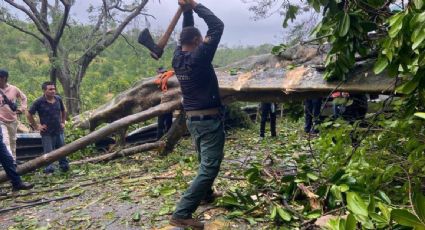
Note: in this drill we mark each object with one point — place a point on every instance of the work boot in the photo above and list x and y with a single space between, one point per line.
22 186
211 198
186 223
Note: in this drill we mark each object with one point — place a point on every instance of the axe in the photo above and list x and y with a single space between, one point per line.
146 39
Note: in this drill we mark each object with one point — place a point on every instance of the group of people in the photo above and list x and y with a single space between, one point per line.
51 114
350 107
192 64
312 108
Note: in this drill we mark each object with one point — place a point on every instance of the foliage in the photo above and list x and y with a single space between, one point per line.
293 109
370 182
235 117
372 28
358 167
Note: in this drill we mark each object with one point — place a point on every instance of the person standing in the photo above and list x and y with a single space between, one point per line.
164 120
312 114
9 94
192 63
51 112
266 109
9 167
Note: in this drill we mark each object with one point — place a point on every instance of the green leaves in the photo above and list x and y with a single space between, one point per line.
277 50
254 176
283 214
418 37
384 197
408 87
350 222
396 23
343 25
418 4
405 218
167 191
417 20
229 201
136 217
356 204
419 205
278 211
343 224
380 64
291 14
421 115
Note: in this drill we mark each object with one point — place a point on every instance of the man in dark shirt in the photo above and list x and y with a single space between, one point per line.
164 120
51 112
202 103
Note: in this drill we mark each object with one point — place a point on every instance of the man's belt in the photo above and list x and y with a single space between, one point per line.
202 115
211 111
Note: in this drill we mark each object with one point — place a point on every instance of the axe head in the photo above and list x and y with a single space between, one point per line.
146 40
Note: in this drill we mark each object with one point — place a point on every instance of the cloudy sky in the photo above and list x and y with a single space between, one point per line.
240 28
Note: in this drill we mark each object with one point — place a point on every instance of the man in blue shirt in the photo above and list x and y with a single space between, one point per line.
51 112
202 103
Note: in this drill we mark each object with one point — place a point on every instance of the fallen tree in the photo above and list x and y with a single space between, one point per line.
296 75
122 153
93 137
259 78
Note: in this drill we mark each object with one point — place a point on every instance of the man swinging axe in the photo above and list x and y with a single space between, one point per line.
202 104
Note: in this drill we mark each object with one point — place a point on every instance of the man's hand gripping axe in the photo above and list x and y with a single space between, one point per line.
146 39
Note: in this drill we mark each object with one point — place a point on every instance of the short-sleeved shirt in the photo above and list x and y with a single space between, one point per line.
49 113
12 93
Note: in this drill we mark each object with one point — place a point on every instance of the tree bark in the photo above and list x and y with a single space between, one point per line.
172 137
122 153
264 78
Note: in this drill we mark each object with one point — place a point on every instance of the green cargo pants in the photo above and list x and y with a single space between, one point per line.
208 136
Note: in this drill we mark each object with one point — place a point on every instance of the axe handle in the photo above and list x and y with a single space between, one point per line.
164 39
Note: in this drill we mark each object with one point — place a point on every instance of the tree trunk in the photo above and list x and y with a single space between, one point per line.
94 136
269 81
122 153
265 79
172 137
72 99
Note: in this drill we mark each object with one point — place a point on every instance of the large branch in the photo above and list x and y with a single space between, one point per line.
38 24
262 78
63 21
176 132
164 146
121 153
22 29
43 9
94 136
102 44
142 96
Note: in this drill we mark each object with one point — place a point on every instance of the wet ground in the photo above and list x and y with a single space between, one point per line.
139 192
